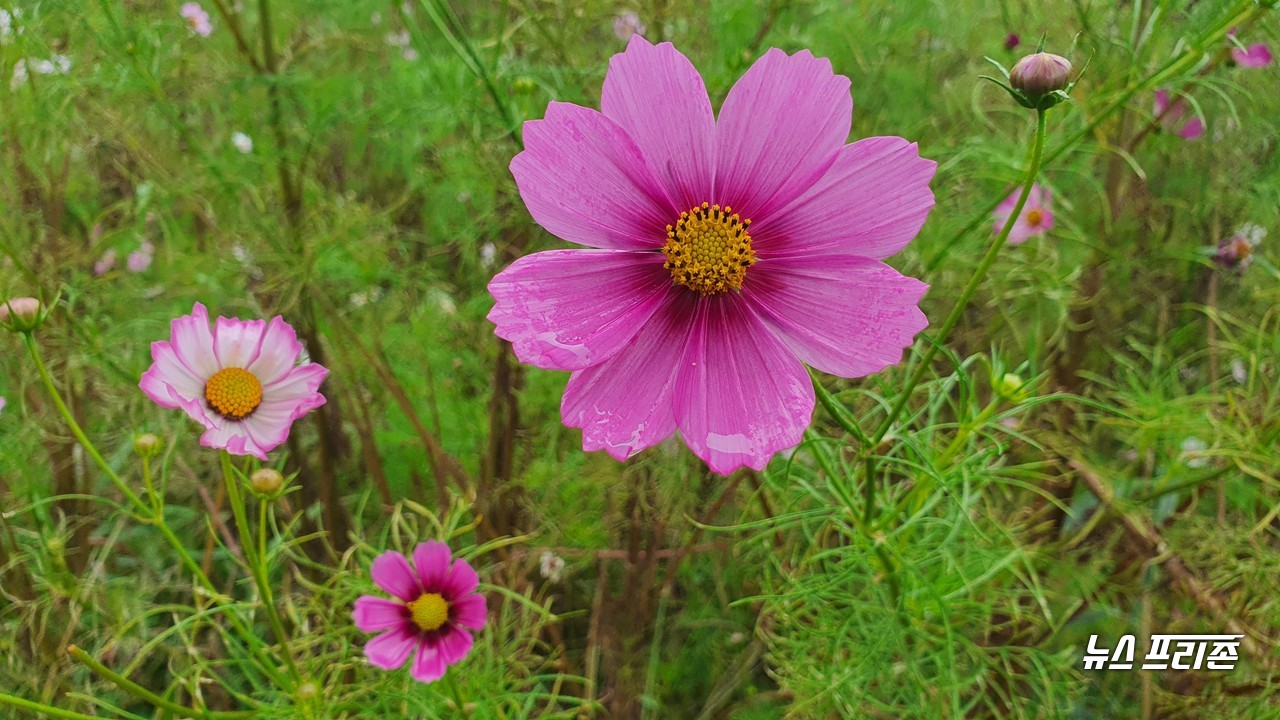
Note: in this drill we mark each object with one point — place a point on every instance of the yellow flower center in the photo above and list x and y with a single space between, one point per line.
429 612
1034 218
709 250
234 393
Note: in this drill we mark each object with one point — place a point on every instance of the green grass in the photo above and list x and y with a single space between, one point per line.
988 563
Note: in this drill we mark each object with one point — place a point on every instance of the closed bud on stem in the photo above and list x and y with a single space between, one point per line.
266 481
1012 388
21 314
1039 76
146 445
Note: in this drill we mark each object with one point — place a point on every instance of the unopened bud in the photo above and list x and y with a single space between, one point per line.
146 445
266 481
1039 75
20 314
307 690
1012 387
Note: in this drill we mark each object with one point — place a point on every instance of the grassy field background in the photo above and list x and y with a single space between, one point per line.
1130 486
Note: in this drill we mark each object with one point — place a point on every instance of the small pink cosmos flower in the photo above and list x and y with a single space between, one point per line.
197 19
1255 56
239 381
1036 218
727 253
105 263
626 24
1171 116
435 604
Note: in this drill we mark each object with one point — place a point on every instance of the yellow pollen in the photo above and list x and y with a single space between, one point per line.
234 393
1034 218
430 611
709 250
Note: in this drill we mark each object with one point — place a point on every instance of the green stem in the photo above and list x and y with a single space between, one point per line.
146 695
74 426
1033 169
42 709
257 564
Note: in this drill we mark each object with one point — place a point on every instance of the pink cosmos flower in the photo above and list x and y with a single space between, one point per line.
1036 218
239 381
727 253
197 19
105 263
139 260
1171 116
626 24
435 604
1255 56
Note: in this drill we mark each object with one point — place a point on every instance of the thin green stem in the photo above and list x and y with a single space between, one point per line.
74 426
1033 169
836 410
146 695
257 564
42 709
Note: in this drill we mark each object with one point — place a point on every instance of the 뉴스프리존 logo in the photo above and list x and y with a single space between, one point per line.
1177 652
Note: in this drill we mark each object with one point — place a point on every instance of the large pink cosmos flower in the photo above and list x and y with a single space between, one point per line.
1036 218
1171 116
436 604
727 253
239 381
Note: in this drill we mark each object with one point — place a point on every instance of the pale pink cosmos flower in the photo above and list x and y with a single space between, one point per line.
139 260
435 606
1171 116
105 263
240 381
1254 56
197 19
626 24
725 254
1036 218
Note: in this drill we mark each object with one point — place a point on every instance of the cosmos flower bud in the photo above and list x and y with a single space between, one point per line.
1040 74
1012 388
21 314
266 481
146 445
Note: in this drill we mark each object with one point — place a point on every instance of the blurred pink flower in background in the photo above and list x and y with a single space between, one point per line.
3 402
1011 41
105 263
626 24
1254 56
197 19
140 259
1237 252
239 381
435 609
1171 116
1036 218
727 254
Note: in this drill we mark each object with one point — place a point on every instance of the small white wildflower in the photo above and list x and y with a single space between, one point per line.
1192 452
1239 372
551 566
242 142
488 253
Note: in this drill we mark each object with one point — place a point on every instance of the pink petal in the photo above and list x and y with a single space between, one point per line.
658 97
471 611
1192 129
432 562
373 614
193 343
231 436
571 309
779 130
167 371
429 665
236 342
455 644
278 353
390 649
584 180
393 573
266 430
1255 56
871 202
299 384
741 395
841 314
624 404
462 579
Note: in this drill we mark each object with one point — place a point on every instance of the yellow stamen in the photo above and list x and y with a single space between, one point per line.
234 393
1034 218
709 250
430 611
